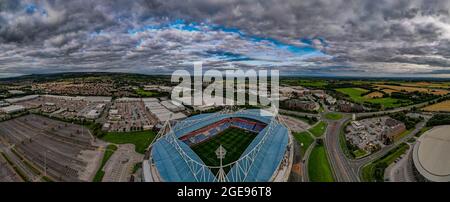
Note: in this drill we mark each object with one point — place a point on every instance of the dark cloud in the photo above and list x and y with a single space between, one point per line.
350 36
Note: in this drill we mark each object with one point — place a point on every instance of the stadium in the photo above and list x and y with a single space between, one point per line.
430 155
257 148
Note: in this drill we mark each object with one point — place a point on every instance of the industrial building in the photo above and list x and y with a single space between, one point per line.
12 109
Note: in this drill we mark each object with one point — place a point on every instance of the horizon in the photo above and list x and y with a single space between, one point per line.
356 77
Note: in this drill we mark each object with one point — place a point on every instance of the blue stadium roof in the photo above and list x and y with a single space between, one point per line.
173 168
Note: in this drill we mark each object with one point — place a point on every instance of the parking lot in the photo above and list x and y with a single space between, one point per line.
7 173
41 146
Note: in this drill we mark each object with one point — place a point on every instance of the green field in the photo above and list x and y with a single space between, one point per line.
356 95
305 83
374 171
140 139
234 140
319 129
333 116
305 139
319 169
141 92
110 149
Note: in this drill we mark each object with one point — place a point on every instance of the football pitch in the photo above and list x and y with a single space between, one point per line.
234 140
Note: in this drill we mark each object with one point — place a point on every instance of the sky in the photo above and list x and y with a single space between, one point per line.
363 38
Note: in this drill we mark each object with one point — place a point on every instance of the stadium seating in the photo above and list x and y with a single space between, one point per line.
216 128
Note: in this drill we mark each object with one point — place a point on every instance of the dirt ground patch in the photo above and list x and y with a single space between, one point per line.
389 91
374 95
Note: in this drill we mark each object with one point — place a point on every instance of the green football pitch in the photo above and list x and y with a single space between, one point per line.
234 140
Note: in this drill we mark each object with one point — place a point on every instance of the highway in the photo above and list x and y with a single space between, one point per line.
342 169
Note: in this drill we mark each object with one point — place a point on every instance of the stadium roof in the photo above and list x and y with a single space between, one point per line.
431 154
172 166
267 160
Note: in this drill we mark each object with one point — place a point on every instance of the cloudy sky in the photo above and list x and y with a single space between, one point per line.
302 37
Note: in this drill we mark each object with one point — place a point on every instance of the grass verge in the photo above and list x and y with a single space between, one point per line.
319 129
319 169
333 116
110 149
140 139
305 139
374 171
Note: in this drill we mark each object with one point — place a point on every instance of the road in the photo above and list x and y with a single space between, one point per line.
299 113
343 170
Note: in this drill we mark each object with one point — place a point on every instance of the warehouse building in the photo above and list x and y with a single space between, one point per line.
12 109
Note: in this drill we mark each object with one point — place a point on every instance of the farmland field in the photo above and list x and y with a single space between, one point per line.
427 85
389 91
439 107
306 83
414 89
356 95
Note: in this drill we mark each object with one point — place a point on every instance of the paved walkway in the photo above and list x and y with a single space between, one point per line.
119 167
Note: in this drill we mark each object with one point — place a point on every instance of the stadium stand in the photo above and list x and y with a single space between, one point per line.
203 134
